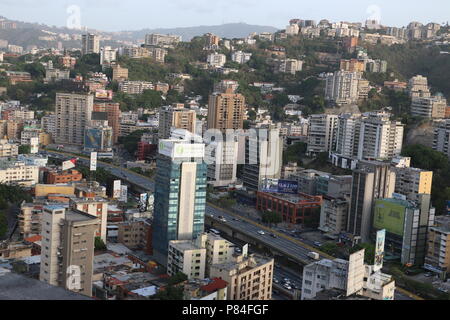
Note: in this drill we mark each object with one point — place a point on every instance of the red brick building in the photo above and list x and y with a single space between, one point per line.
54 177
293 208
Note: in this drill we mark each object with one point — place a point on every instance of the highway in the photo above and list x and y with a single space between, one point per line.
281 242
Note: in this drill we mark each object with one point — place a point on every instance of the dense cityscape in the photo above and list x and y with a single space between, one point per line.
304 163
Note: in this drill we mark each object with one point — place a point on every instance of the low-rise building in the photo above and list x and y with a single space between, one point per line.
248 277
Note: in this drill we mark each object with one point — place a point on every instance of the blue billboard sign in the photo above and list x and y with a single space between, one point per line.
280 186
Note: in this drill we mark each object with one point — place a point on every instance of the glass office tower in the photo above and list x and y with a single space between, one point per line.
180 194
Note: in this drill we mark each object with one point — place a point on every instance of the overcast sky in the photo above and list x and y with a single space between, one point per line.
116 15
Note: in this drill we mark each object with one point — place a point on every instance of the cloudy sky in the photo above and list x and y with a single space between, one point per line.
116 15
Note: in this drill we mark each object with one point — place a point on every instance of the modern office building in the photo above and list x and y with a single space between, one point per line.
406 224
263 156
67 249
73 114
371 180
180 194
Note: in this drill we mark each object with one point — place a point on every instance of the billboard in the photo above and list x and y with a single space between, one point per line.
356 271
93 139
93 162
69 164
280 186
390 216
103 94
143 202
123 194
379 250
181 150
117 189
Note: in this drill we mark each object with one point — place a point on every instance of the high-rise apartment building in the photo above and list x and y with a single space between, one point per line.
226 110
429 107
67 249
418 87
119 73
369 136
73 114
112 110
412 182
176 117
97 207
321 133
241 57
180 194
216 59
371 180
90 44
342 87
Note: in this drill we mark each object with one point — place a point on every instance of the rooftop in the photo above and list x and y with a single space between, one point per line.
18 287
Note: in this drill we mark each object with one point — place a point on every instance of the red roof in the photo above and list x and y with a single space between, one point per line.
215 285
34 238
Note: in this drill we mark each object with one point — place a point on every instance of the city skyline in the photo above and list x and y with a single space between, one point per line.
135 15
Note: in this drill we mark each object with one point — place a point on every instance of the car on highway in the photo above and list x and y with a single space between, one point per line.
272 235
261 232
428 274
317 243
287 286
275 280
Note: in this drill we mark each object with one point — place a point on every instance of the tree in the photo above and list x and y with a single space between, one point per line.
99 244
271 217
177 279
130 142
25 149
3 224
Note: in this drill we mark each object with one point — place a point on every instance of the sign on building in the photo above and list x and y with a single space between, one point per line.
379 250
93 162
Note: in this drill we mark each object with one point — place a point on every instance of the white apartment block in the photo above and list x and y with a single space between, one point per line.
186 257
241 57
135 87
195 258
8 149
107 55
216 59
321 133
52 75
18 172
418 87
292 29
342 87
73 114
291 66
155 39
430 107
369 136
